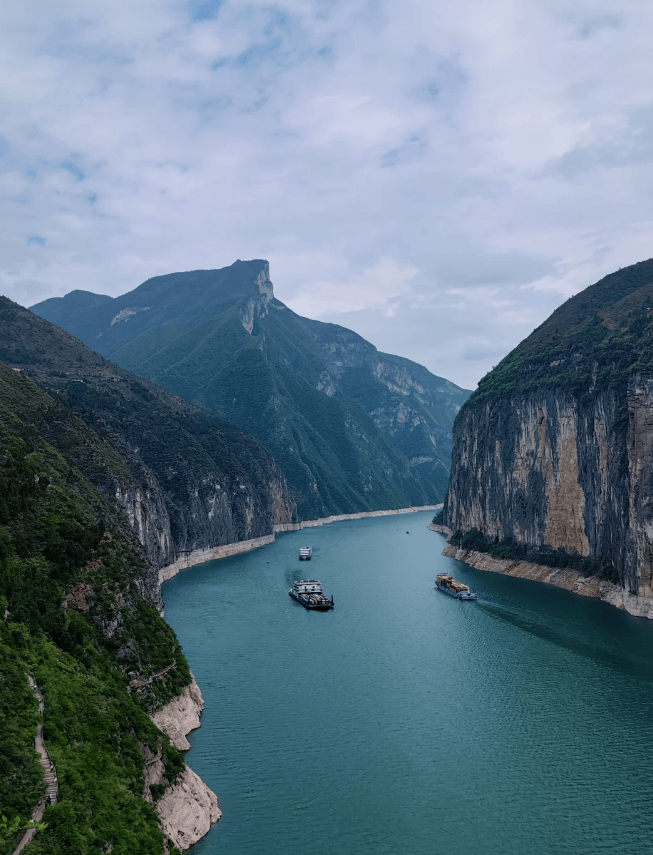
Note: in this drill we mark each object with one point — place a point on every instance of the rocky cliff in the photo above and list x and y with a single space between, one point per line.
552 457
184 480
77 611
352 429
188 808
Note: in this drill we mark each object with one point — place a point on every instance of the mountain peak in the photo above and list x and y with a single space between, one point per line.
168 300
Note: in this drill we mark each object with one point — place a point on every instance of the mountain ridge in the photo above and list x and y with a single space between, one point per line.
351 428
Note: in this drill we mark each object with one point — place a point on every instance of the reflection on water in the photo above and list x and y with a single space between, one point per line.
407 721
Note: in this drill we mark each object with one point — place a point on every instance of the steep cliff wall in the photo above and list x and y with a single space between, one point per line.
552 455
184 480
76 611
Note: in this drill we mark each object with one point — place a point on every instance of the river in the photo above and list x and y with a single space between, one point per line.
405 721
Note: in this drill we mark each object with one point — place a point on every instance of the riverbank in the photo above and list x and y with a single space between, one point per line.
201 556
188 808
570 580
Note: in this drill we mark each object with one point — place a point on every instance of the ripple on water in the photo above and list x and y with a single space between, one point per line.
405 721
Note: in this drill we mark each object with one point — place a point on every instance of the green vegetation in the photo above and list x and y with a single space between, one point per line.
21 779
347 435
510 550
73 615
132 439
597 337
438 519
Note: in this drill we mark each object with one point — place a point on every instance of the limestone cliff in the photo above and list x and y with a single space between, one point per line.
181 715
184 480
552 457
188 808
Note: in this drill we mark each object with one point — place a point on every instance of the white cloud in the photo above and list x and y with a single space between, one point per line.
389 159
377 287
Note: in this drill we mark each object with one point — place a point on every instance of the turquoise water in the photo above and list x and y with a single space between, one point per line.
405 721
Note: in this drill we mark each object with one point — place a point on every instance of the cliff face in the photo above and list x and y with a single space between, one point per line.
184 480
352 429
187 808
554 451
76 611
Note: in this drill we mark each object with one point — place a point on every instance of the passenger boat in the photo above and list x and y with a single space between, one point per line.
308 592
305 553
454 588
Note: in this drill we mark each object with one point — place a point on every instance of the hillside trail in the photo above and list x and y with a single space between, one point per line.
48 769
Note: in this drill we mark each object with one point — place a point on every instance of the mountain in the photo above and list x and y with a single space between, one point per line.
552 453
104 479
351 428
185 480
78 611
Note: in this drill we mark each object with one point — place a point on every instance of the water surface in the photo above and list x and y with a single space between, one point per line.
405 721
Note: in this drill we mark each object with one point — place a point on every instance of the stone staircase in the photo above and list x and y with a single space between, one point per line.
48 766
50 775
49 771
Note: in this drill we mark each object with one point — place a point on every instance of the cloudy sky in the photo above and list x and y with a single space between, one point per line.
437 175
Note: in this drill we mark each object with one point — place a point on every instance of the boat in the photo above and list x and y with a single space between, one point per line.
308 592
454 588
305 553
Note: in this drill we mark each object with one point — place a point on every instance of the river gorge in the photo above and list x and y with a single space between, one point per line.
404 720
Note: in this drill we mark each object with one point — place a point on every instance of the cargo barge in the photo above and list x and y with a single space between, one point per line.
308 592
454 588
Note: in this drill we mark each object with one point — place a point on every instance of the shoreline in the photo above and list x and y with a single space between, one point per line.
570 580
189 808
202 556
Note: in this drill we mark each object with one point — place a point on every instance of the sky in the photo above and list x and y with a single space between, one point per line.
437 176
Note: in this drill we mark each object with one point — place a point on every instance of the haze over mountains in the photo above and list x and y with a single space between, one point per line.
351 428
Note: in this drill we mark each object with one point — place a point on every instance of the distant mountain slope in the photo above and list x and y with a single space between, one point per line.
553 454
185 480
69 309
351 428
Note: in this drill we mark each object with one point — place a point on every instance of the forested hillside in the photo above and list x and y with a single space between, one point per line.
351 428
76 612
184 479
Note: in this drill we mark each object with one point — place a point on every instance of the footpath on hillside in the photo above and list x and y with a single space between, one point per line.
50 772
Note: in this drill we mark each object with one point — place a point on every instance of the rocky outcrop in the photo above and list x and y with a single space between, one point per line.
440 529
257 307
552 454
181 715
187 810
